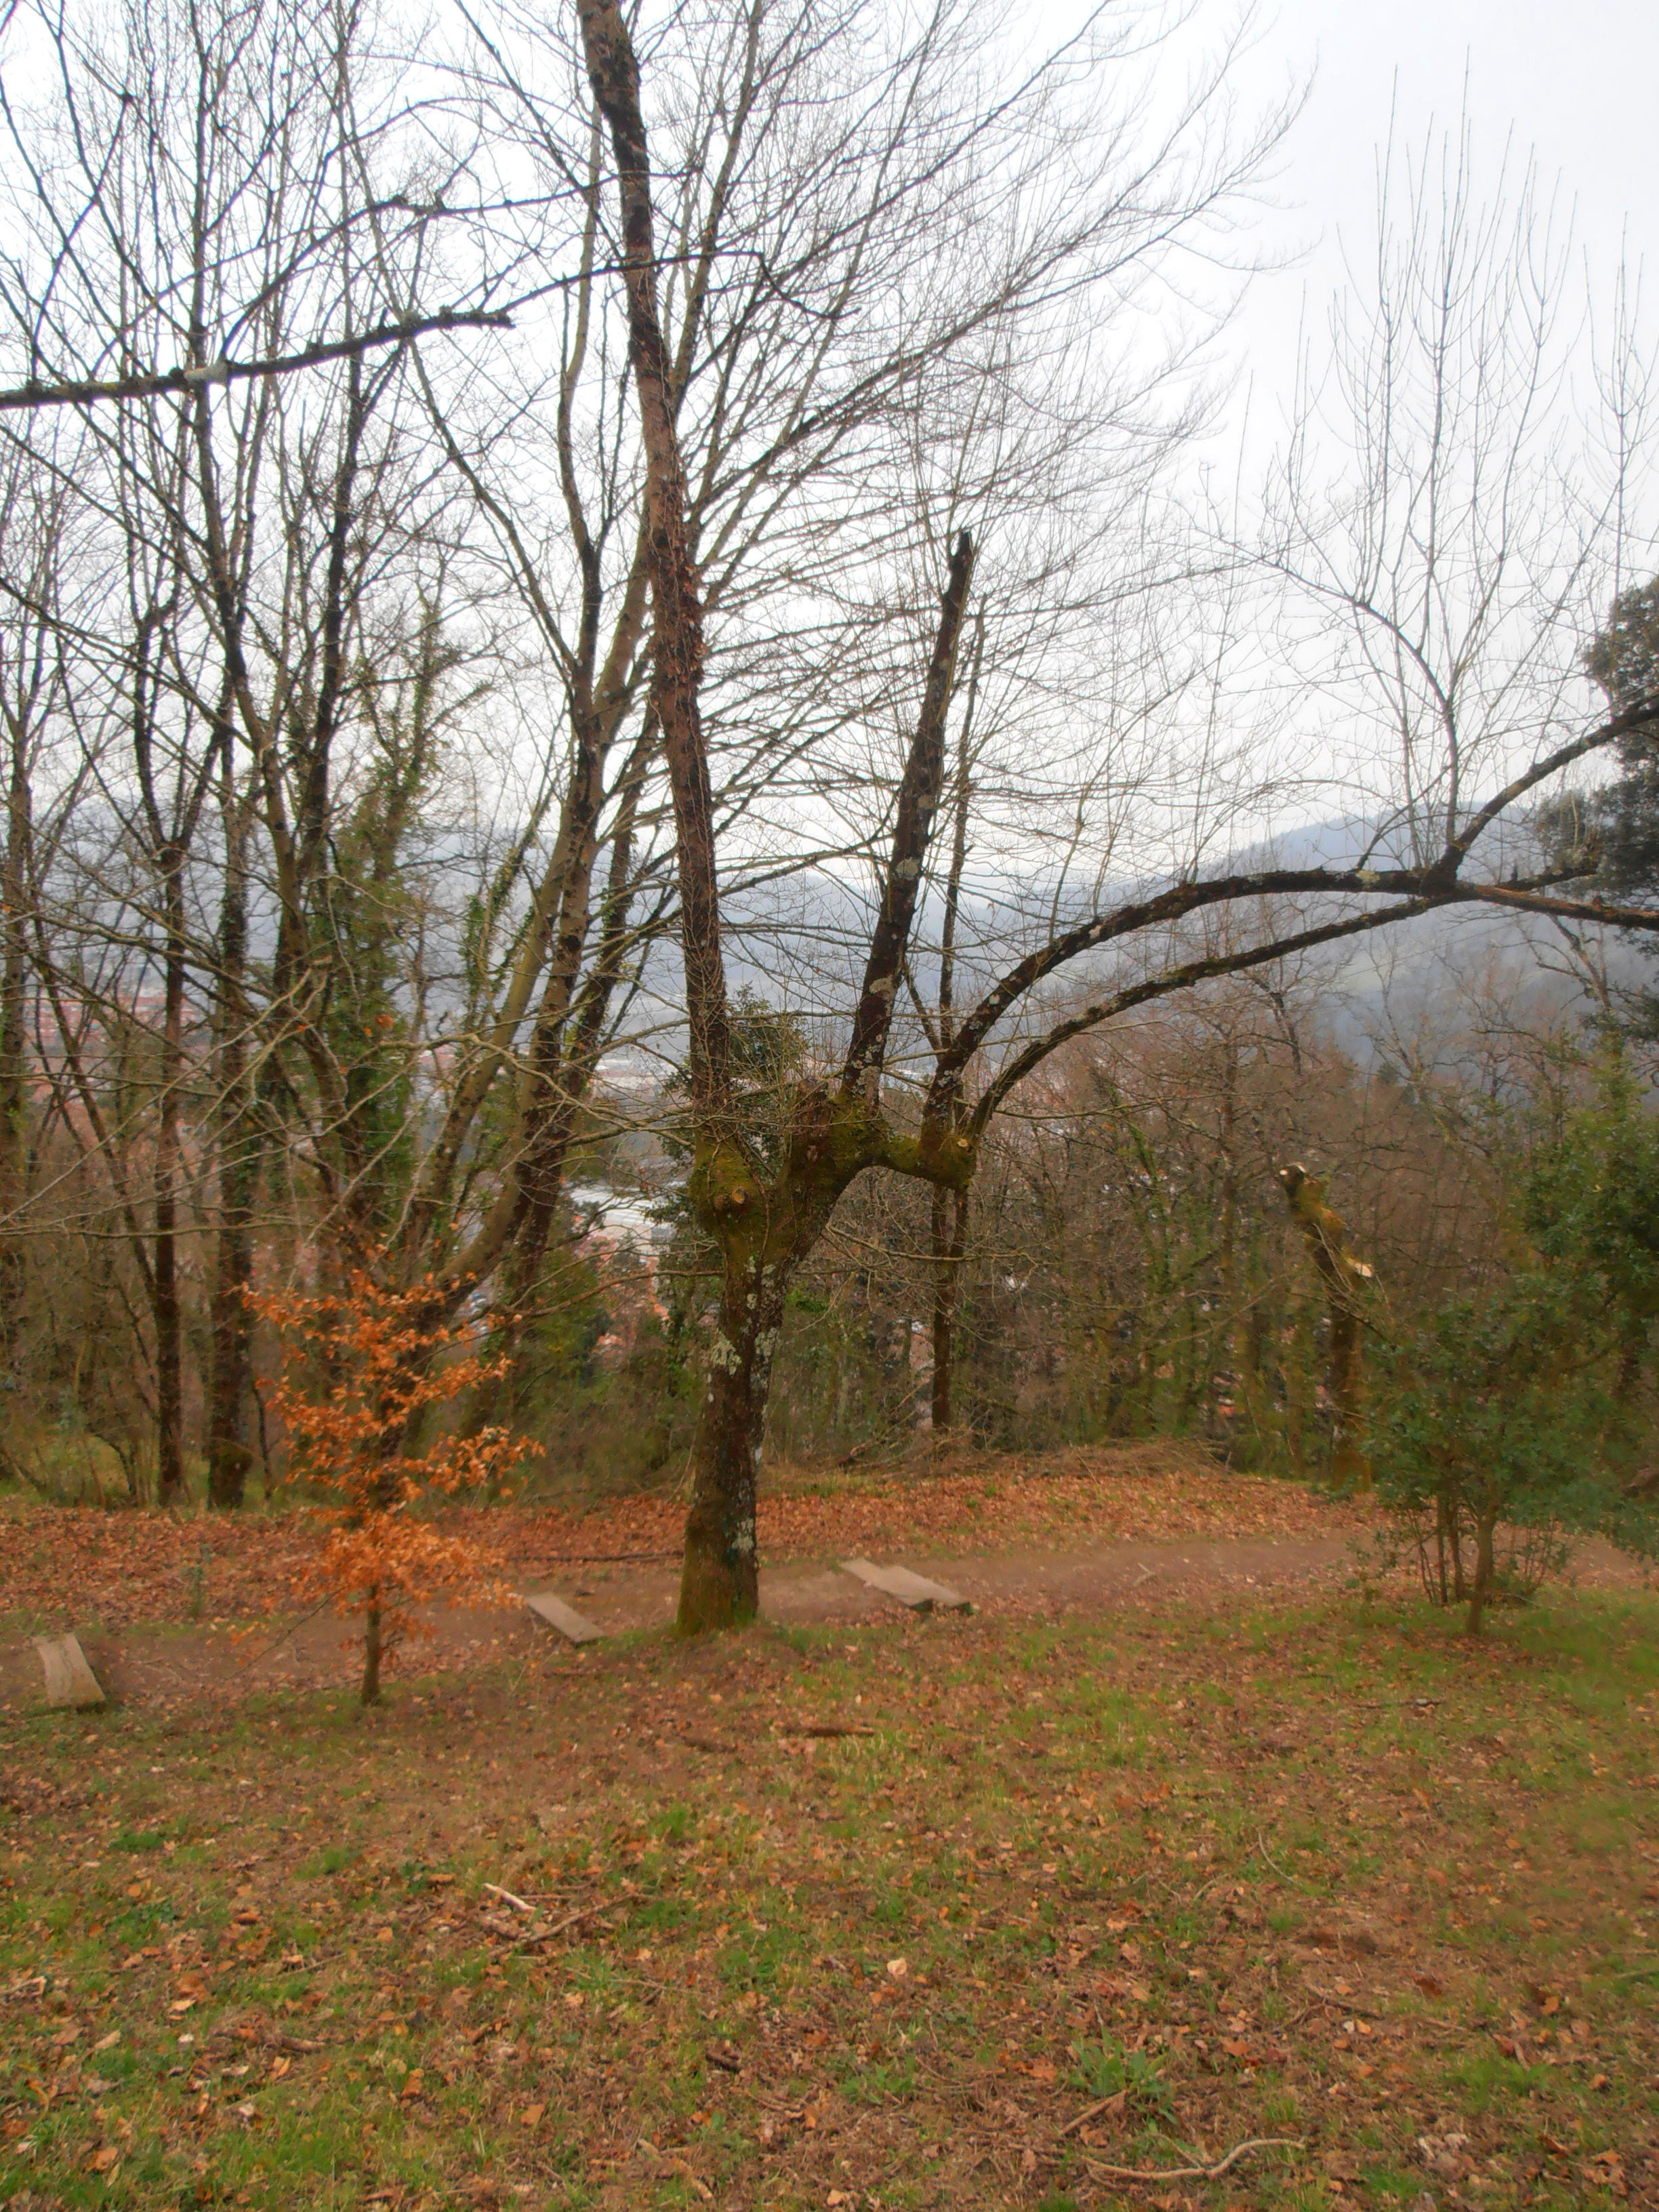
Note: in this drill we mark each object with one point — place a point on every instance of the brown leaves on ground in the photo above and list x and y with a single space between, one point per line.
71 1565
973 1502
516 1934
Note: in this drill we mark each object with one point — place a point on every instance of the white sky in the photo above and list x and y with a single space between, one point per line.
1573 84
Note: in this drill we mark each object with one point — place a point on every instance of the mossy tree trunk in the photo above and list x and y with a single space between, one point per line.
765 1225
1345 1278
720 1582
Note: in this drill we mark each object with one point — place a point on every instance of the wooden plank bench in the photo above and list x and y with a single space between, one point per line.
914 1590
564 1618
70 1681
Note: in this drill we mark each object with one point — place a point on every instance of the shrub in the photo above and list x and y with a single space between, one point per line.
366 1373
1493 1438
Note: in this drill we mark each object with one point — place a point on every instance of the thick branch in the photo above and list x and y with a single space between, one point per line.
35 393
1184 978
1183 899
918 802
1608 733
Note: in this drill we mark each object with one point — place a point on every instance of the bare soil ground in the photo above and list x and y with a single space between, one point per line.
60 1568
170 1608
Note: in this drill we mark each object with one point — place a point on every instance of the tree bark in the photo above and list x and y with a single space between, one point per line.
719 1585
231 1321
369 1692
14 1073
1485 1571
949 1246
169 1323
677 604
1344 1278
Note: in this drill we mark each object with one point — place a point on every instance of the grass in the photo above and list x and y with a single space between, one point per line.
1324 1873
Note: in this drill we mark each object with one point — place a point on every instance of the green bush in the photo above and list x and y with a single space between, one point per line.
1493 1437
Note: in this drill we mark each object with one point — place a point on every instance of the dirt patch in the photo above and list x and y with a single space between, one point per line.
1136 1530
150 1663
82 1567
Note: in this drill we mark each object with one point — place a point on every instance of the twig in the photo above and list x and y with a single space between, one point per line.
276 1642
680 2165
1262 1845
1196 2172
506 1897
586 1912
603 1558
823 1729
1091 2112
1345 2004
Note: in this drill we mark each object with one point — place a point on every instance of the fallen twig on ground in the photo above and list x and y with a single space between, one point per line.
1195 2173
603 1558
1261 1845
1345 2004
506 1897
679 2166
570 1920
1093 2112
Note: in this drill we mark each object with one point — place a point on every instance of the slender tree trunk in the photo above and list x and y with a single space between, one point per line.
14 1073
1485 1572
369 1694
231 1318
949 1245
1296 1359
169 1327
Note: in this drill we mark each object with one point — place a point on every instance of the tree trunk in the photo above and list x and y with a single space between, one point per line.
14 1074
169 1328
232 1321
370 1693
1485 1572
948 1248
229 1453
719 1585
764 1232
1345 1278
1344 1385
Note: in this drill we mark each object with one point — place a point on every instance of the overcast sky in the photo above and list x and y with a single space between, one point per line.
1574 83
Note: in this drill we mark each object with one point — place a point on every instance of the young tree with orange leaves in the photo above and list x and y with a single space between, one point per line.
365 1374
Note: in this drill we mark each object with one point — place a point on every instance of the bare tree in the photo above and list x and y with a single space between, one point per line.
764 1223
